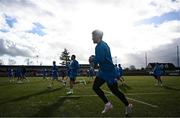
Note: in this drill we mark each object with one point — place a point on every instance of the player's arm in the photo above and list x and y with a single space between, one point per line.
99 55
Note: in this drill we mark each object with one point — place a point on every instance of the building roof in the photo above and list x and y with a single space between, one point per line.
166 66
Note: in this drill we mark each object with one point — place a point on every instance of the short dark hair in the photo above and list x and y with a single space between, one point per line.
73 56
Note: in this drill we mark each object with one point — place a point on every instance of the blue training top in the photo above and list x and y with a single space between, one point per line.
18 72
103 57
91 71
119 71
55 71
10 72
45 72
157 70
73 68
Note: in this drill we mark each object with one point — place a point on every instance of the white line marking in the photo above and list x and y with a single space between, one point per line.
155 106
107 91
151 105
74 96
110 94
152 93
77 96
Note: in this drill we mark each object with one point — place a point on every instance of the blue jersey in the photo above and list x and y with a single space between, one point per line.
106 67
45 72
120 70
157 70
67 70
55 71
23 71
18 72
91 71
10 73
73 68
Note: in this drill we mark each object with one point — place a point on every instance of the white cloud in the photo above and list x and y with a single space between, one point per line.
69 23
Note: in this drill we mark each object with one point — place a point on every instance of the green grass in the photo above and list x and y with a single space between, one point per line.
35 99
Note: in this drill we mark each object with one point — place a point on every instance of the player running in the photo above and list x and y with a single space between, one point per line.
23 74
55 74
10 75
91 73
45 73
107 73
120 73
73 71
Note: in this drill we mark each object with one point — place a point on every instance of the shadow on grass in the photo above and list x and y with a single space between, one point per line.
170 88
15 83
48 111
124 87
31 95
6 84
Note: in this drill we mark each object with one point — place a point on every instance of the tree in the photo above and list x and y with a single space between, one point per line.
132 67
126 69
65 57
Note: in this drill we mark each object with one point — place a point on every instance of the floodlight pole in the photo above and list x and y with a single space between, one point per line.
37 56
115 59
146 59
177 56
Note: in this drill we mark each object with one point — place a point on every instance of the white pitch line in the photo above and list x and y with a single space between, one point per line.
77 96
74 96
152 93
155 106
151 105
110 94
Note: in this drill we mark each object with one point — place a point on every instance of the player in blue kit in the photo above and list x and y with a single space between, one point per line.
157 73
23 74
106 74
91 73
120 74
19 75
63 75
55 74
73 71
45 73
10 75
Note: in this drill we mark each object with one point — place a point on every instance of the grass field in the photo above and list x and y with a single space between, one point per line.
35 99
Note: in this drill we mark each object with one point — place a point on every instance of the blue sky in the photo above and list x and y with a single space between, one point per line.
170 16
31 28
10 21
37 29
